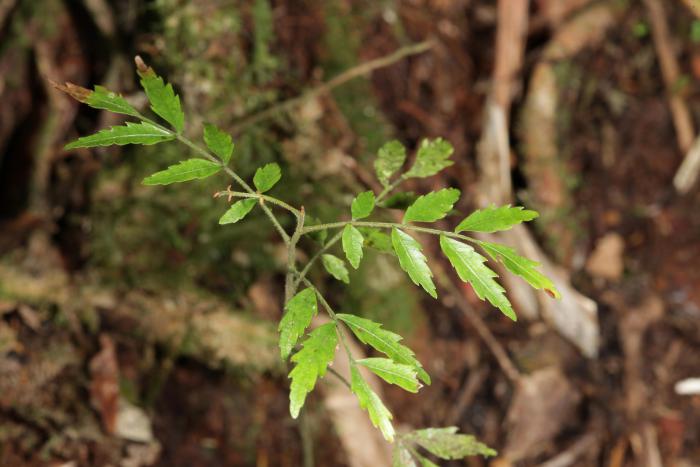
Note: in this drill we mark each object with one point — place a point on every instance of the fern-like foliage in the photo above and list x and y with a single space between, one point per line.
312 350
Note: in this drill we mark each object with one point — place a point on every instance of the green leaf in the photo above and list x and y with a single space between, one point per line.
520 266
390 158
375 238
425 462
267 176
370 401
352 245
432 207
470 268
401 456
297 317
413 261
336 267
432 157
493 219
401 200
311 363
101 98
218 141
190 169
447 444
393 373
362 205
164 101
131 133
386 342
237 211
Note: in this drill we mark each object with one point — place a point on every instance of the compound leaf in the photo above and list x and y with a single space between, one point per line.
494 219
399 374
520 266
131 133
164 101
386 342
311 363
336 267
370 401
447 444
432 157
413 261
237 211
363 205
190 169
218 141
352 245
299 311
432 207
390 158
470 268
267 176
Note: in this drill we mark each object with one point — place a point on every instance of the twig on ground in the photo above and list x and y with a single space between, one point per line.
359 70
682 120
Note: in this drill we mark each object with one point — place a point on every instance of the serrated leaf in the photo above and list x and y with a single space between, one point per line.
447 444
131 133
374 238
401 456
218 141
520 266
299 311
101 98
190 169
432 207
432 157
399 374
413 261
370 401
470 268
386 342
311 363
267 176
336 267
237 211
352 245
363 205
164 102
494 219
390 158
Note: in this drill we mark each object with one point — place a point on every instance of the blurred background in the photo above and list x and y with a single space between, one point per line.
136 331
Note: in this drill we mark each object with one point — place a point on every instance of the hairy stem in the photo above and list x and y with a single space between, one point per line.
260 196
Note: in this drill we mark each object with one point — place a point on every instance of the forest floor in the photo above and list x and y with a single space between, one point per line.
101 367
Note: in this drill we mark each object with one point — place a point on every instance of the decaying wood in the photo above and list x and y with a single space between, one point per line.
682 120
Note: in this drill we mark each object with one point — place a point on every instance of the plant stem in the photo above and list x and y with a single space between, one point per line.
315 257
385 192
291 258
386 225
269 199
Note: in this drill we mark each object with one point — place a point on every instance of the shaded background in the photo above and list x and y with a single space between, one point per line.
135 331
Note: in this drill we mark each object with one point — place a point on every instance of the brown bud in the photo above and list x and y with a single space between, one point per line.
78 93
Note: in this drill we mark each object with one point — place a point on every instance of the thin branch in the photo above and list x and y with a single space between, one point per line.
387 225
266 198
360 70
